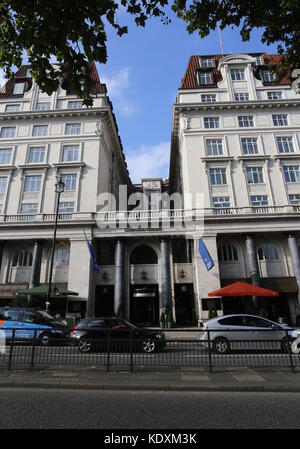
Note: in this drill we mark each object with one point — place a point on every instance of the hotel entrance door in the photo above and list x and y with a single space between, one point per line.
144 305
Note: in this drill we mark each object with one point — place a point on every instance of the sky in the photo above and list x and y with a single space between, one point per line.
142 74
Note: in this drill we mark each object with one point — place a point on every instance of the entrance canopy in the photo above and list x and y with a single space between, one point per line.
42 290
242 289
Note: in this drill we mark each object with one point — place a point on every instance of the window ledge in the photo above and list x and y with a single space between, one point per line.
69 164
287 156
217 158
7 167
251 157
40 166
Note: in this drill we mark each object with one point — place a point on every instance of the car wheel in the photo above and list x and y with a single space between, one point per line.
286 343
84 346
148 346
45 339
221 346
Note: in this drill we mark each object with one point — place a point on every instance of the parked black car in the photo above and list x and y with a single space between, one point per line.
96 333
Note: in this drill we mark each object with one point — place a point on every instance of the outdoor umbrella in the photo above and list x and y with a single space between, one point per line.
42 290
242 289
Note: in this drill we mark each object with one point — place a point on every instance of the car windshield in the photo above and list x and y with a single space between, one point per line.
47 316
128 324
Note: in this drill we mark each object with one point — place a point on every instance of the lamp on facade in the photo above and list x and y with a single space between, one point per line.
182 274
104 276
59 189
143 275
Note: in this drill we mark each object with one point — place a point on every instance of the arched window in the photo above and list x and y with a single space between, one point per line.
227 253
22 258
143 255
268 251
61 257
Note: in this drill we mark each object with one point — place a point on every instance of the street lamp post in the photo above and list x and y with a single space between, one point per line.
59 188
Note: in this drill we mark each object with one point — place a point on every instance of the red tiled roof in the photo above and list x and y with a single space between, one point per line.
189 80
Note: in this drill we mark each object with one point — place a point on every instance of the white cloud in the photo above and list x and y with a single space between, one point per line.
117 85
149 160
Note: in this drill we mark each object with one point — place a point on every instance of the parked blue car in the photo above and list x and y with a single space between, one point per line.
27 322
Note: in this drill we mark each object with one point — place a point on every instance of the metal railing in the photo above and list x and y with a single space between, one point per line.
202 348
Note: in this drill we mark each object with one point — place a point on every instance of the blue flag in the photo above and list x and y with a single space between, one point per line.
209 263
93 257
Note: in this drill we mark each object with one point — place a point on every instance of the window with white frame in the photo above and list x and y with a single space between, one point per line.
22 258
217 176
12 108
3 184
237 74
211 122
221 202
259 200
70 181
43 106
280 120
255 175
214 147
5 156
208 98
294 199
36 155
249 145
8 132
291 173
241 96
73 128
66 207
227 253
268 76
258 60
245 121
268 251
207 62
29 208
61 258
274 95
19 88
70 153
33 183
204 78
74 104
285 144
40 130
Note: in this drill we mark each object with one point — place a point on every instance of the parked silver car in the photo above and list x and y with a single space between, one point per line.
246 332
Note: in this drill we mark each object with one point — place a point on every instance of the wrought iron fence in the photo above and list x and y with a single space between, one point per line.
202 348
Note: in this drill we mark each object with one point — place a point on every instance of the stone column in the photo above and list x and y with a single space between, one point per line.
294 251
1 252
253 266
165 273
36 265
120 290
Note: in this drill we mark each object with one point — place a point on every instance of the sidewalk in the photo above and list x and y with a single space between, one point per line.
186 379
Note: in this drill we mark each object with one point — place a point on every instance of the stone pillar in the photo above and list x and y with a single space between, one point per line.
36 265
1 252
294 251
253 266
120 289
165 273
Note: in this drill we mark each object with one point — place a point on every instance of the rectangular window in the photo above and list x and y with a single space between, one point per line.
44 106
8 132
5 156
211 122
274 95
237 74
207 62
19 88
258 60
12 108
217 176
73 128
294 199
291 173
285 144
70 153
29 208
214 147
40 130
221 201
208 98
204 78
33 184
249 145
255 175
66 207
245 121
268 76
241 96
280 120
259 200
3 184
36 155
74 104
69 181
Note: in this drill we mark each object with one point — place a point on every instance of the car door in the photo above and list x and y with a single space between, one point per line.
12 322
31 325
120 335
96 332
233 329
264 333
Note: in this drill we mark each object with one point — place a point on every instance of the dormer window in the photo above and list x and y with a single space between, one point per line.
258 60
19 88
204 78
268 76
207 62
237 74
